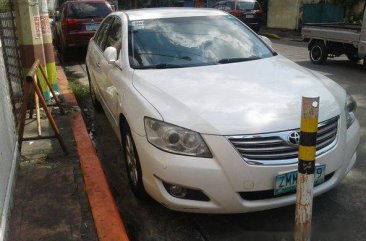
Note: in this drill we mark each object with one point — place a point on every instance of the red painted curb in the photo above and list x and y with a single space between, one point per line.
108 222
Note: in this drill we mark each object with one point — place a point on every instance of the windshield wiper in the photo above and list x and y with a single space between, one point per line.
159 66
234 60
165 66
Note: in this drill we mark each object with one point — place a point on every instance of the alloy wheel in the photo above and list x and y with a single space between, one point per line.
131 160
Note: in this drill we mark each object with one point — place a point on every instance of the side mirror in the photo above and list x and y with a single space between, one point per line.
266 40
110 54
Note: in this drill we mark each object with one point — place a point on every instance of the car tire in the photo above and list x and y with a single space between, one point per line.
64 53
318 53
132 163
96 104
352 58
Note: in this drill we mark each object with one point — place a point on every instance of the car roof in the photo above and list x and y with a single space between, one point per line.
156 13
81 1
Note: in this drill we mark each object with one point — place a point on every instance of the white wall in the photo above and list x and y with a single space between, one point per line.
283 14
8 151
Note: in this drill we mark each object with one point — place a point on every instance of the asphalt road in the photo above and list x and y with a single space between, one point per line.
337 215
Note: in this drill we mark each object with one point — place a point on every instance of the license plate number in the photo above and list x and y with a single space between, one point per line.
286 182
249 16
92 27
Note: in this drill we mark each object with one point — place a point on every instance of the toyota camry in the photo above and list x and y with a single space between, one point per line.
208 114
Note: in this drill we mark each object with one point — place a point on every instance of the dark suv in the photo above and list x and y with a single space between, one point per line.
248 11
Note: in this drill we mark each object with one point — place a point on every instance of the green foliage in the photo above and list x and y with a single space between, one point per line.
4 6
81 92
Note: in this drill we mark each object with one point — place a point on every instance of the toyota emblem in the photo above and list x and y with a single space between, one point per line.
294 138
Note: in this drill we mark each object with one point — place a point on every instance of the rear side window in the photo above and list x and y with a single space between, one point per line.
78 10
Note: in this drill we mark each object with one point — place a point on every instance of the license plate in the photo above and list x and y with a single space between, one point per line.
286 182
249 16
91 27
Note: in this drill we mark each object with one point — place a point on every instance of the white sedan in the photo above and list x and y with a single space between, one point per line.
209 114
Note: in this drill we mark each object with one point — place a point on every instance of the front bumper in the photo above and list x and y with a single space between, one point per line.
224 176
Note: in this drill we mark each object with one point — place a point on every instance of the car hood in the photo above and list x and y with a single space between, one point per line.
240 98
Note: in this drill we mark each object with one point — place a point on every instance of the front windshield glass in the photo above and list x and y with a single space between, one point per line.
192 41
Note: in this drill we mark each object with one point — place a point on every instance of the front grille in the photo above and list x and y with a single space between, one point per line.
267 194
275 149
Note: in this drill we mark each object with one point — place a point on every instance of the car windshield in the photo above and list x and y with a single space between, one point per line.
80 10
192 41
247 6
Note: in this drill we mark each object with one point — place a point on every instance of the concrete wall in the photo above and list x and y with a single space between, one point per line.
8 150
283 14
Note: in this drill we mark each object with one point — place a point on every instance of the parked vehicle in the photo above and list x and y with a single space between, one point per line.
248 11
55 7
77 22
334 39
206 110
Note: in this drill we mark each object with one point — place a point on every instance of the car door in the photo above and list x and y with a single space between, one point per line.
110 93
96 48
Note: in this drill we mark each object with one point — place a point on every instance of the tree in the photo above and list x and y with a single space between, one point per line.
4 6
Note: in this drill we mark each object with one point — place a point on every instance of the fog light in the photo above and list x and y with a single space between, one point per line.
177 191
185 193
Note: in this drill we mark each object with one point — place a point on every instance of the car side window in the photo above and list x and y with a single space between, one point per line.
114 37
101 35
219 5
230 6
225 6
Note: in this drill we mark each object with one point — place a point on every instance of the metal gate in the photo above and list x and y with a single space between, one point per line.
11 55
322 13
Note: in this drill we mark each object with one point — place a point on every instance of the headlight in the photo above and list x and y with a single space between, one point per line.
351 106
175 139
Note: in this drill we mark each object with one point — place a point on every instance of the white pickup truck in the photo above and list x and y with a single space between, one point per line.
334 39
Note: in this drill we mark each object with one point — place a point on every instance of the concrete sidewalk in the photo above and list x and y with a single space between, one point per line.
62 197
50 202
277 33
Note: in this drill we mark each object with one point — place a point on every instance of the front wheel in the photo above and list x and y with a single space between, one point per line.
132 162
318 53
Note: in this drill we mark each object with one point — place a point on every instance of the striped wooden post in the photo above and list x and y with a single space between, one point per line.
306 168
47 45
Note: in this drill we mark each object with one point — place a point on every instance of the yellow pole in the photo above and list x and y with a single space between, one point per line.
30 37
306 168
47 44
